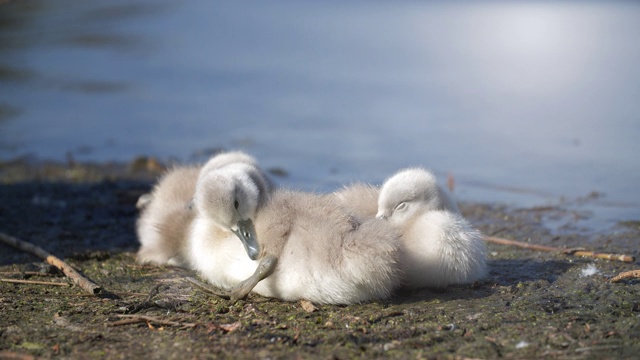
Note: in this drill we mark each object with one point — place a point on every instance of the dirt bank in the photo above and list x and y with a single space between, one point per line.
531 305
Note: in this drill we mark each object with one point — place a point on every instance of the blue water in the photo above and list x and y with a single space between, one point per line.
524 103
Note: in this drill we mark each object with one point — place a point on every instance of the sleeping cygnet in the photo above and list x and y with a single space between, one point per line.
309 246
439 247
361 199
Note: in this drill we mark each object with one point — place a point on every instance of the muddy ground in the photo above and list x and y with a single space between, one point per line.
532 304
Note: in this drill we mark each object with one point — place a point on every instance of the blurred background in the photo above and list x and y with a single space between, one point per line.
531 103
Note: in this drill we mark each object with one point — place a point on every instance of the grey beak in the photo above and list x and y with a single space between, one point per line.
247 234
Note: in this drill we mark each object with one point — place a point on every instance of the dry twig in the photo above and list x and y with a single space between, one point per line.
114 294
133 319
33 282
595 255
210 289
10 355
36 273
78 279
230 327
633 274
524 245
148 302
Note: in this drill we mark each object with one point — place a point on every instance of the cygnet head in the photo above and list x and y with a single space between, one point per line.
230 197
407 194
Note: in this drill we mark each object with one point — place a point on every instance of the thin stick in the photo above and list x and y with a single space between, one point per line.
6 354
36 273
115 294
33 282
132 319
613 257
204 287
633 274
84 283
523 245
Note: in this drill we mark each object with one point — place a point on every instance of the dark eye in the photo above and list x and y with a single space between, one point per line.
236 204
401 206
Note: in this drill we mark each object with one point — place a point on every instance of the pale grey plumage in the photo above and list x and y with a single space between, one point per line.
359 199
230 196
167 212
414 186
439 247
165 218
324 254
